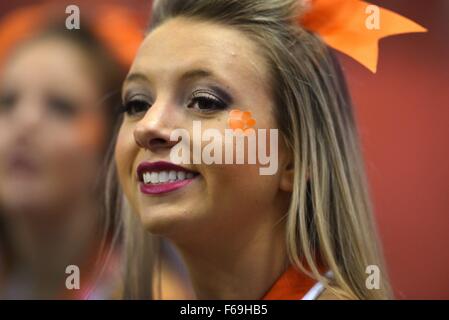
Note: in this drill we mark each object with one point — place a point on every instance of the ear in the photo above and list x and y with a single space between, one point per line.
287 175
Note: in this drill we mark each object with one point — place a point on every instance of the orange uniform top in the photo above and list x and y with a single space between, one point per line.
291 285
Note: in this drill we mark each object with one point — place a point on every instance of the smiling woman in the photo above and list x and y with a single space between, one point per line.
307 229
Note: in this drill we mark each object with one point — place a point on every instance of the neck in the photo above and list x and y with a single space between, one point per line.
241 268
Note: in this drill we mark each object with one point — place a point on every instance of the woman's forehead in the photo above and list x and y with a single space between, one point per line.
48 56
42 66
180 45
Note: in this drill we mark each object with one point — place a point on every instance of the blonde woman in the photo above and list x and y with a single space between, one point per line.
304 232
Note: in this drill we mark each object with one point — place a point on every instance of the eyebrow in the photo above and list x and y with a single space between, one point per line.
196 73
136 77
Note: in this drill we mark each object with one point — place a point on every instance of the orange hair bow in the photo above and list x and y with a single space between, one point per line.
342 24
116 27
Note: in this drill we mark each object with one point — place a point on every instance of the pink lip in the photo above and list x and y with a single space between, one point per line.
20 164
161 188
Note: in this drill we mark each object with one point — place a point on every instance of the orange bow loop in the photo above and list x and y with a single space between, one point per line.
342 24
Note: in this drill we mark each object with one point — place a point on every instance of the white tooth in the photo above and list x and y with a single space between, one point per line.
163 176
189 175
172 175
181 175
154 177
145 177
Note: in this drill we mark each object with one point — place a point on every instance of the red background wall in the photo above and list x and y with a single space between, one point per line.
403 117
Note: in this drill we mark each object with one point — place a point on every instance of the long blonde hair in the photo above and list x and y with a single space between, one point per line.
329 222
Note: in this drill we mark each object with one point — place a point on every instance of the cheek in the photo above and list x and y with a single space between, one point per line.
240 190
73 158
244 180
72 150
237 198
124 154
5 133
91 132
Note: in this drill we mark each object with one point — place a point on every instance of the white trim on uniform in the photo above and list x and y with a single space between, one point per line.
316 290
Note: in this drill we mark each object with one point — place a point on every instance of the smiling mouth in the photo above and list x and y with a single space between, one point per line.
162 177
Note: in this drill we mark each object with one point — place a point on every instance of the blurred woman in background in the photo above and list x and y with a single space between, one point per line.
58 94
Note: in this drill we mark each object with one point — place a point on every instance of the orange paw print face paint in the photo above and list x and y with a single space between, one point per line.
241 120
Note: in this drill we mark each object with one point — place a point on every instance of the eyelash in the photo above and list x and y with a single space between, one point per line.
206 97
7 102
136 106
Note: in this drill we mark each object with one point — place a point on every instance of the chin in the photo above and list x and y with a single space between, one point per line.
162 222
26 204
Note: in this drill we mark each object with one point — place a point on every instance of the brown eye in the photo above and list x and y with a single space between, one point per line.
205 101
7 102
62 106
135 106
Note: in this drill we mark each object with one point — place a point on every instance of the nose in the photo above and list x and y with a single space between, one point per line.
27 117
153 131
